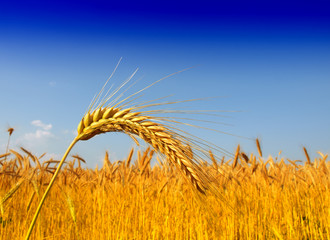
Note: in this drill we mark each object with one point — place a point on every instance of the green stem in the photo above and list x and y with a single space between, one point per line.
49 187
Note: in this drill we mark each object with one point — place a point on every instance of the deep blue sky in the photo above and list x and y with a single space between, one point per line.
268 60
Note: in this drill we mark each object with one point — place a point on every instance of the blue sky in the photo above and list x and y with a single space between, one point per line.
269 62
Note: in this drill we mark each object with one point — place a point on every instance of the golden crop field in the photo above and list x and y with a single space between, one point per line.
177 188
258 198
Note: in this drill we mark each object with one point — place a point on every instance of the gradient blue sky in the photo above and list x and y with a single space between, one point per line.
268 60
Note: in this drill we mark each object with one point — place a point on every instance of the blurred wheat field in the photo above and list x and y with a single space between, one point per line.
272 198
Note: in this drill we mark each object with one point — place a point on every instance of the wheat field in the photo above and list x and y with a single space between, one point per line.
180 187
262 198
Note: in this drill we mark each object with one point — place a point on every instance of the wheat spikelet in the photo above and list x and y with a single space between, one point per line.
307 156
258 147
214 161
10 131
4 155
80 159
129 158
235 161
245 157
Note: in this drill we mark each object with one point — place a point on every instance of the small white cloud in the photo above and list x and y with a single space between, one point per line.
52 83
39 137
38 123
39 134
35 139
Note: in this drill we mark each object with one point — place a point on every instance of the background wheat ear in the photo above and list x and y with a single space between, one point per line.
10 131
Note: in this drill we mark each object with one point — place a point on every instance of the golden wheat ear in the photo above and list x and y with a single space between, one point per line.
160 137
114 116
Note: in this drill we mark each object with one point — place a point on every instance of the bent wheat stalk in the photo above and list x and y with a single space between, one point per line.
117 118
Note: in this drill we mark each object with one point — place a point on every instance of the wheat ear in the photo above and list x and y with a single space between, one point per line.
159 136
106 118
